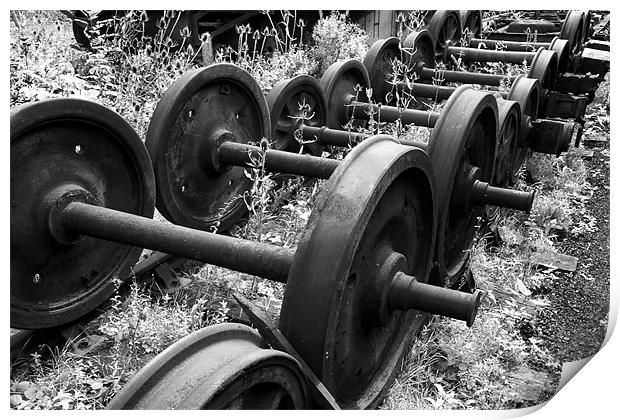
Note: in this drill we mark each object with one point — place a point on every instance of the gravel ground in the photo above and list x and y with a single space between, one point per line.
574 326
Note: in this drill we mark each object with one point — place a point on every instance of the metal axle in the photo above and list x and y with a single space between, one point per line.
425 90
480 193
330 137
471 192
508 45
341 138
239 154
522 36
407 292
263 260
477 54
484 194
464 77
556 105
71 216
362 110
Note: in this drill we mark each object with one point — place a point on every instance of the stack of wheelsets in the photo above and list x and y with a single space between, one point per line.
386 242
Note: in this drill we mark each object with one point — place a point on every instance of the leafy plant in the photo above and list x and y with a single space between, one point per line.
134 69
335 38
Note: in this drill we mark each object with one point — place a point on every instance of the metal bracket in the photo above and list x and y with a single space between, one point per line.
594 61
278 341
564 105
167 276
551 137
579 84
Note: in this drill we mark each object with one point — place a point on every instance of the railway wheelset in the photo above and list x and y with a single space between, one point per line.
524 127
357 284
580 69
565 91
450 27
384 246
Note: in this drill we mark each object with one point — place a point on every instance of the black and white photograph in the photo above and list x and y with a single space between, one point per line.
310 209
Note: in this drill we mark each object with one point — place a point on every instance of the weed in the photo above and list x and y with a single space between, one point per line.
335 38
408 21
133 69
40 69
449 366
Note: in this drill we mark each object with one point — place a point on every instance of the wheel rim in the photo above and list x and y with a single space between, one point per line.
289 101
573 30
386 192
472 21
445 25
464 137
526 92
544 68
58 143
378 62
224 366
342 81
561 47
510 124
221 97
420 47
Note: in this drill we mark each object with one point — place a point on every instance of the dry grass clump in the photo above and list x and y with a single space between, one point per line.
333 38
134 330
133 69
40 69
501 362
562 193
449 366
455 367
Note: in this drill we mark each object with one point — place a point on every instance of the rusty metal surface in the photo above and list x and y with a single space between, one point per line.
55 143
509 119
519 36
224 366
562 48
526 92
381 197
423 90
278 341
594 61
532 25
301 96
469 55
496 44
328 136
408 293
420 47
465 77
544 68
445 26
464 138
379 62
564 105
268 261
471 22
574 30
386 113
484 194
342 82
183 133
551 137
580 84
276 160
